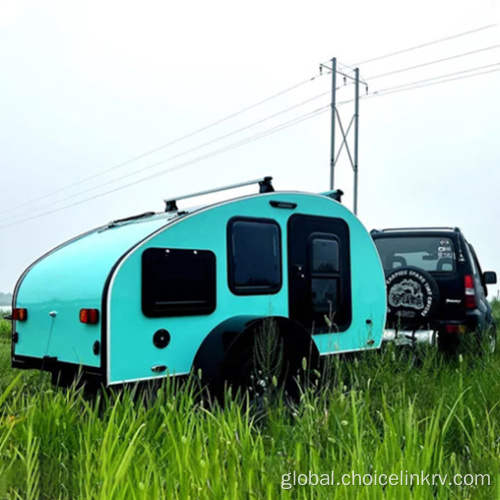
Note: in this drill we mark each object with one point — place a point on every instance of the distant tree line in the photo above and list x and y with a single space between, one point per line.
5 299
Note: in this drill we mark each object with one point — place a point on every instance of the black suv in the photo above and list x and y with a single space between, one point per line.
435 284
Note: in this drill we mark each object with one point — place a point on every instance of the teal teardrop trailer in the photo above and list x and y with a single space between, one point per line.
159 294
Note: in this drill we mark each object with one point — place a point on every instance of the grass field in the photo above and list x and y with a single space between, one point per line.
382 412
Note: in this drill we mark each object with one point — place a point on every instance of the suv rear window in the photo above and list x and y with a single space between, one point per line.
431 253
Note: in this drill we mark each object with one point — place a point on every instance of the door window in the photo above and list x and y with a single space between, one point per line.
325 273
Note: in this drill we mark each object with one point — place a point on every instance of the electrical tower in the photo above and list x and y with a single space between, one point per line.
353 75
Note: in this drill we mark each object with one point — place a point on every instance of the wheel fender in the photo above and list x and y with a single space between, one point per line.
226 349
212 351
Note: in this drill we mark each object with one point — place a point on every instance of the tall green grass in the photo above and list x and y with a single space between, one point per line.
5 328
387 411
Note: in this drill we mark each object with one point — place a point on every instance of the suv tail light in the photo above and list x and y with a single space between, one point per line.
452 328
470 292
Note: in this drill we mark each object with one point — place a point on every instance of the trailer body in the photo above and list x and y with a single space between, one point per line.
162 284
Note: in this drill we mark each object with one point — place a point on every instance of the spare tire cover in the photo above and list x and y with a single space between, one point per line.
412 294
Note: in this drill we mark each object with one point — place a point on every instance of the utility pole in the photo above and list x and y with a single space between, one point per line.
356 132
347 74
332 142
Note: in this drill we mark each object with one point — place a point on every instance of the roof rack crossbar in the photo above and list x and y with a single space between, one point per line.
437 228
264 183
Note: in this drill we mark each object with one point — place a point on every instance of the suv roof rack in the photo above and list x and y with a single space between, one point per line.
264 183
395 229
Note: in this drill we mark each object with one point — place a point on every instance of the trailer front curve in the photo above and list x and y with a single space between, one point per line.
57 286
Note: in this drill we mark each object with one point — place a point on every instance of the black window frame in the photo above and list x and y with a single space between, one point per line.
325 275
300 229
252 290
152 309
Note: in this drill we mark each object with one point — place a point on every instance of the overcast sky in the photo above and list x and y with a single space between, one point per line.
88 85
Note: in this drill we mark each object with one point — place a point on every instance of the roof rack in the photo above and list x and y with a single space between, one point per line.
131 218
334 195
438 228
264 184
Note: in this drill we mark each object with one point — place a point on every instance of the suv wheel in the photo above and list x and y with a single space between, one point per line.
448 342
487 339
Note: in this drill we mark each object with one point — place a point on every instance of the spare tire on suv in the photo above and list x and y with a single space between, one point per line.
412 296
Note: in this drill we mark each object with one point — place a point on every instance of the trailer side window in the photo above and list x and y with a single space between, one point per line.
254 256
178 282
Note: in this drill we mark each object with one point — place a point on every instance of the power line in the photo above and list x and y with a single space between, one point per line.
477 68
240 112
417 47
384 92
217 139
421 46
183 153
243 142
171 143
417 85
436 61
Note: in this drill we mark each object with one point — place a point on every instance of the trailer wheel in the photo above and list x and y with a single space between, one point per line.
271 356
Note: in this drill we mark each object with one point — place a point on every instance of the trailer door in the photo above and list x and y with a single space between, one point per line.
319 275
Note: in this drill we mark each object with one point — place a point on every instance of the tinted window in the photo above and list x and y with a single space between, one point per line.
431 253
177 282
254 256
325 272
325 255
324 294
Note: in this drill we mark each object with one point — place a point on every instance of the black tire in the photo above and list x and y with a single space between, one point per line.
448 342
487 339
412 297
288 349
64 378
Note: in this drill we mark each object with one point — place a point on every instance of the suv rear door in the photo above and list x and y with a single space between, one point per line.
438 253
